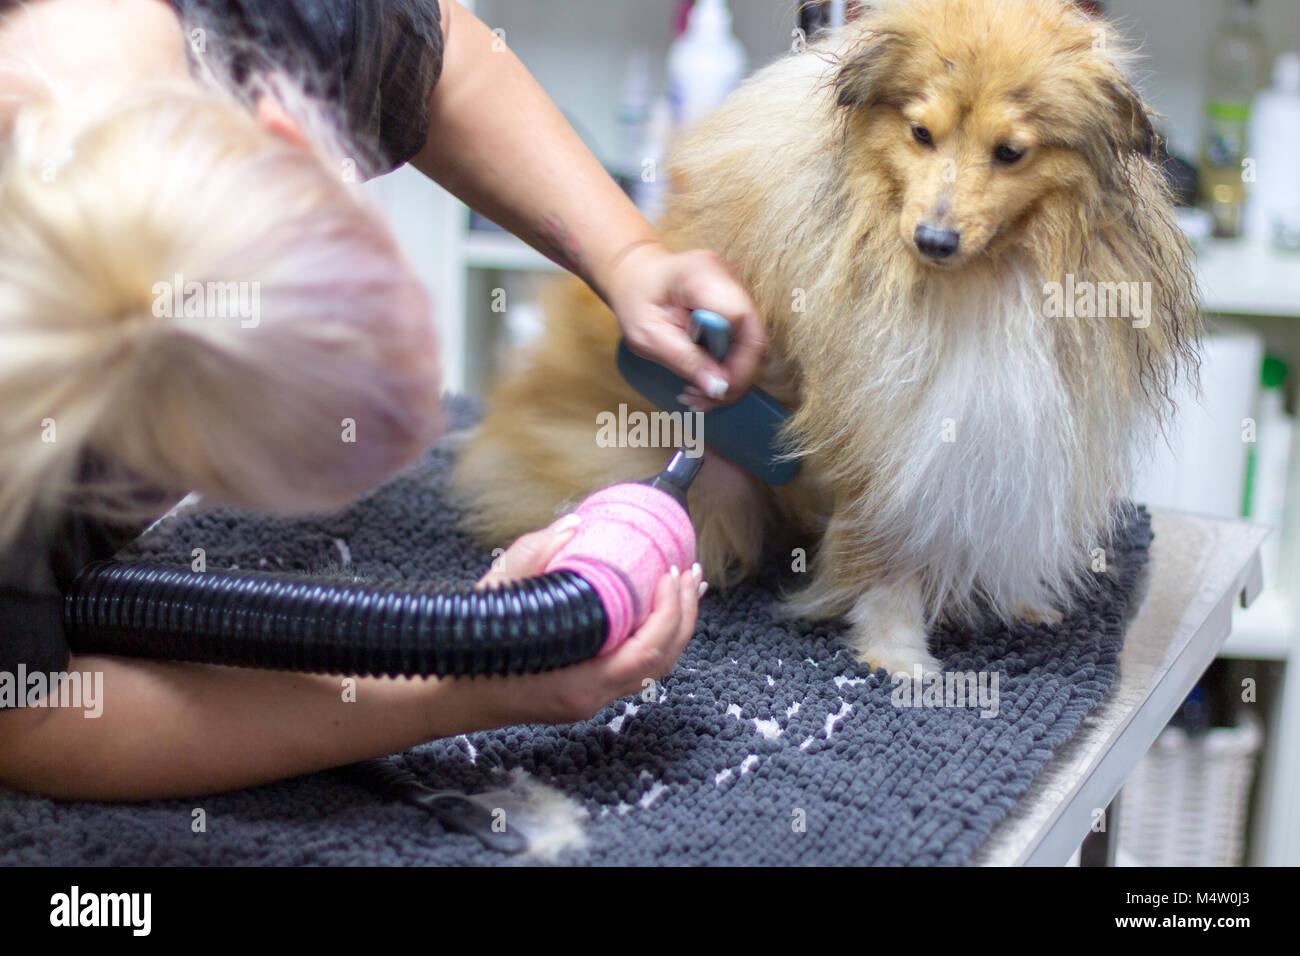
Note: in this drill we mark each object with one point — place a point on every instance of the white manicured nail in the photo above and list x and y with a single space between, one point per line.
698 572
704 587
567 523
717 387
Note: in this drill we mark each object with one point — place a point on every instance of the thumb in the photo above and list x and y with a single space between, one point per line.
530 554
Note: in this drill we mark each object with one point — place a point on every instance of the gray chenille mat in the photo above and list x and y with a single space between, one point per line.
769 744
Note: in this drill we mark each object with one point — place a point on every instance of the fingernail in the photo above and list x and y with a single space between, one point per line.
704 586
565 524
676 573
717 387
698 572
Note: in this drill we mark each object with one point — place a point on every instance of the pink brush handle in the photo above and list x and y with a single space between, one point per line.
630 535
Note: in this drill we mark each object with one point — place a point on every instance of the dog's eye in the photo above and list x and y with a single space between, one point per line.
1007 154
922 135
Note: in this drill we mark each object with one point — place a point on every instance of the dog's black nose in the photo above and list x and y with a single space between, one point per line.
936 243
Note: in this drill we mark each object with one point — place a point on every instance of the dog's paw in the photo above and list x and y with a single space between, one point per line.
888 631
899 661
897 647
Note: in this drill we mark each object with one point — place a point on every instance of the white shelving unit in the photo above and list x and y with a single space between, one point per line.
504 252
1249 277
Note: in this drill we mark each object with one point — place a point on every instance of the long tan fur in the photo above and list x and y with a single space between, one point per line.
963 442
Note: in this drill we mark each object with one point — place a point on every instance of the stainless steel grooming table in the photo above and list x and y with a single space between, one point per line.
1198 568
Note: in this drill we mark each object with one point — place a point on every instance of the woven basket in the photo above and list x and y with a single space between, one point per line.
1186 803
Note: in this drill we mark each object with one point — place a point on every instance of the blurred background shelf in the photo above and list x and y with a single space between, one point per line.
486 249
1249 277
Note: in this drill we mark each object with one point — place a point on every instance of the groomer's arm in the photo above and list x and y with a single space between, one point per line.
171 730
181 730
498 143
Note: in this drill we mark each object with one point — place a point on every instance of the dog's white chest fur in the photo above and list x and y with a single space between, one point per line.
978 485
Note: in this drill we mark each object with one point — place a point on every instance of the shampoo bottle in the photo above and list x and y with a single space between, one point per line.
1274 200
1236 67
705 63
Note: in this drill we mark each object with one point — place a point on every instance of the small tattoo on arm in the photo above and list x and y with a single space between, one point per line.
560 243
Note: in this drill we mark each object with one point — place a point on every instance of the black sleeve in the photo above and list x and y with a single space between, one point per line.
402 41
31 634
375 61
33 576
37 569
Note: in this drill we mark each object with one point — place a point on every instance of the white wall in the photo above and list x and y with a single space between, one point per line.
428 221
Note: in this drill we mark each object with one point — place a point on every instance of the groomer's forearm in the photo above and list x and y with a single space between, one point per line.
172 730
498 143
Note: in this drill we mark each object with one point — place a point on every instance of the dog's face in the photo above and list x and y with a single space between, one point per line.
977 112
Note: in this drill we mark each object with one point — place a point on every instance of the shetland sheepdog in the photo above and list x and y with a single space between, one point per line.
977 298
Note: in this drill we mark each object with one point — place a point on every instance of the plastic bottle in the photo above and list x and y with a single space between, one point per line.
1236 67
705 63
682 17
1268 464
633 120
1274 200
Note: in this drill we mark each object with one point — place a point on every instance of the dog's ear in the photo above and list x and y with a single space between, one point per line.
870 75
1112 128
1130 128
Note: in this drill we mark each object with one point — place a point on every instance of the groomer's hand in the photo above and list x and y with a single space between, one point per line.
579 692
498 143
653 292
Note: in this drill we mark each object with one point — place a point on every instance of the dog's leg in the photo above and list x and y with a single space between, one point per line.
888 629
729 514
